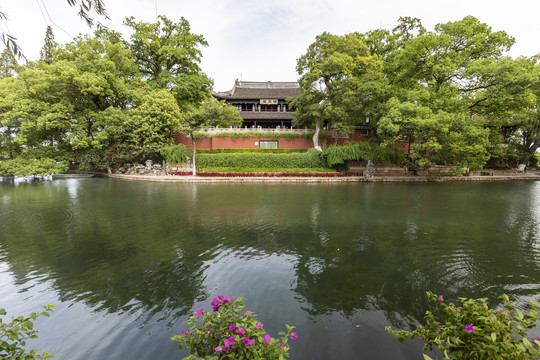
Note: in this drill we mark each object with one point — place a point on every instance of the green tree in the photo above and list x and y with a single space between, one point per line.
153 123
449 87
76 107
8 64
47 51
340 80
168 56
211 113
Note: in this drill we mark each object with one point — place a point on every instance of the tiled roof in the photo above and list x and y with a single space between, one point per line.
260 90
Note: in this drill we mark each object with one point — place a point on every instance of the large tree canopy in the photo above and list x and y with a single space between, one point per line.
168 55
341 82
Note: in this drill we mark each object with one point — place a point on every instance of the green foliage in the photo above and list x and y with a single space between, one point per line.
363 151
47 52
442 174
168 55
265 170
175 154
472 330
342 84
231 333
22 166
15 333
257 134
310 159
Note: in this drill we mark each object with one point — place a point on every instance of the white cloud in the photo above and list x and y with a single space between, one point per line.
261 40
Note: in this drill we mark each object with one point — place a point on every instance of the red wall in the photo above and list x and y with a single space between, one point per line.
249 143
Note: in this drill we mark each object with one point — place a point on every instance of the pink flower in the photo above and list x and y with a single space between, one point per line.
259 325
231 327
469 328
240 331
294 336
248 312
281 345
226 348
267 338
441 298
218 349
247 341
535 339
183 332
198 313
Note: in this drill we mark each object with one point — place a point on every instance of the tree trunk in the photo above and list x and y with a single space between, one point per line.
194 152
531 151
316 134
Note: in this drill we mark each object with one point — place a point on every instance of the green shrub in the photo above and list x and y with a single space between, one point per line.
471 330
22 166
15 333
310 159
363 151
231 333
174 154
441 174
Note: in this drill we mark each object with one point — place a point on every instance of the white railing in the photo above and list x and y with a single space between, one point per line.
278 129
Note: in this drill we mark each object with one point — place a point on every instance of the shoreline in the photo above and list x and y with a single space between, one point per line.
530 176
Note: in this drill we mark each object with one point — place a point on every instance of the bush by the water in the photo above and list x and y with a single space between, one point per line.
310 159
230 332
470 329
363 151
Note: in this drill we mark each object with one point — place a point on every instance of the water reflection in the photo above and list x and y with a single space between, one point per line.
338 261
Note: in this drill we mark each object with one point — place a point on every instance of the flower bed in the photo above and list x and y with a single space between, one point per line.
265 174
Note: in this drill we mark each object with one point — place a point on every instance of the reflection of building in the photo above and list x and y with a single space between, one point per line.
262 104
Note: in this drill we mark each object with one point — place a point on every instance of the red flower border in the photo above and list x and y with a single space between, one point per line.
264 174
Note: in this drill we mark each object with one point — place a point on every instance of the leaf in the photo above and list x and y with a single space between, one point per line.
493 336
427 357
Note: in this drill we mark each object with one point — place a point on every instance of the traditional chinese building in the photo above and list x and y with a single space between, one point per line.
262 104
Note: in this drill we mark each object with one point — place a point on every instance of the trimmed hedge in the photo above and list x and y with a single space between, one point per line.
310 159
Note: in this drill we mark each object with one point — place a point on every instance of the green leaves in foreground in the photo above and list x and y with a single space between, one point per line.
471 330
15 333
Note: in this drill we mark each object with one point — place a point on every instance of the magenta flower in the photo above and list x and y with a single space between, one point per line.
281 345
231 327
535 339
512 314
198 313
441 298
267 338
183 332
218 349
294 336
226 348
259 325
248 312
469 328
240 331
247 341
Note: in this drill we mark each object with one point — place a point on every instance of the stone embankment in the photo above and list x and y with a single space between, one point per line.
484 176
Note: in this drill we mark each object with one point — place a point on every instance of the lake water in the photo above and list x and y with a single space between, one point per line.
126 263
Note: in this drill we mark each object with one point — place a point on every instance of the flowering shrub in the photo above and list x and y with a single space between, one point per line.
471 330
231 333
266 174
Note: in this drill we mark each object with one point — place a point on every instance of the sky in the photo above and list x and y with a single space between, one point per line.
254 40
